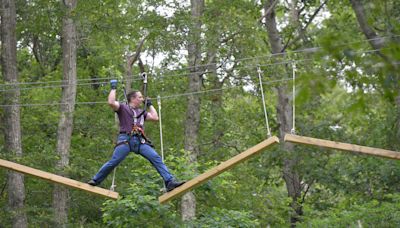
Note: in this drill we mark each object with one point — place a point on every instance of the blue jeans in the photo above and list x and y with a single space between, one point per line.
121 151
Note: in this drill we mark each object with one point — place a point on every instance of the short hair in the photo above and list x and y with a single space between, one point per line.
132 95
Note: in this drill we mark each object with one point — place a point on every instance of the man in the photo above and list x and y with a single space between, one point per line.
131 137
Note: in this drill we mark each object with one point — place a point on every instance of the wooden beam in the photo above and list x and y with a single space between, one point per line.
342 146
217 170
58 179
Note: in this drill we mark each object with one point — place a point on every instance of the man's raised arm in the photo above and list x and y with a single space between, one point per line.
112 96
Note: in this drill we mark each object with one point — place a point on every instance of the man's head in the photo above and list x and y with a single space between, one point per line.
135 98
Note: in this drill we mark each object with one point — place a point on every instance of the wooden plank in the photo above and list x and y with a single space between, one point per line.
218 169
342 146
58 179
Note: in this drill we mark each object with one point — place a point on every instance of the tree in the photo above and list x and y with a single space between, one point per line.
65 126
192 123
285 113
16 186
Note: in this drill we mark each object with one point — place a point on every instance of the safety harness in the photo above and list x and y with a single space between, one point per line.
136 131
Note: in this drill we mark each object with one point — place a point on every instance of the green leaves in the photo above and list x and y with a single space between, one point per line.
139 206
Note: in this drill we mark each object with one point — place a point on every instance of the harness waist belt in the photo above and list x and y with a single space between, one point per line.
131 133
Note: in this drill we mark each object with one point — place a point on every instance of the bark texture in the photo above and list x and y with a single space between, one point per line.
192 123
12 128
285 113
65 125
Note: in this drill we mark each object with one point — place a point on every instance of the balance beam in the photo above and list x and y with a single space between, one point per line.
217 170
58 179
342 146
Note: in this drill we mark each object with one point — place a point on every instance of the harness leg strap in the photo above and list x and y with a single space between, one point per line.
123 142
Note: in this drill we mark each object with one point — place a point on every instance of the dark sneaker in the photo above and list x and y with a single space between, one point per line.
92 182
172 184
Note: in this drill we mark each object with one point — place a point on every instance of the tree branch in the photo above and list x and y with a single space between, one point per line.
132 58
268 11
303 30
375 41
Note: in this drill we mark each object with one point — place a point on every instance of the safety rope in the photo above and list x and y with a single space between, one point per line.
263 101
160 121
293 131
113 185
161 132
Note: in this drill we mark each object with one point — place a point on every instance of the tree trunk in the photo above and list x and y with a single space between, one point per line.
216 107
192 123
16 187
285 113
65 125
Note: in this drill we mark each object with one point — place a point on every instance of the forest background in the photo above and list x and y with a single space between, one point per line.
204 59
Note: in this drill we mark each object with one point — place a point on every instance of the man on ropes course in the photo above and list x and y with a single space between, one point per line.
132 138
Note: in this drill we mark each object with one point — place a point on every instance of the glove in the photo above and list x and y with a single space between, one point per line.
113 84
149 103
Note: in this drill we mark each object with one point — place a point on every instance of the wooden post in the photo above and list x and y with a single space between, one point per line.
58 179
342 146
217 170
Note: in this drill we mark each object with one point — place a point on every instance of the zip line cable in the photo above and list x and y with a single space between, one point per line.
168 96
135 78
173 96
161 77
306 50
189 93
59 81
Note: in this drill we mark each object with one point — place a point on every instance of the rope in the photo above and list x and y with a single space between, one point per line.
161 133
113 185
293 131
263 102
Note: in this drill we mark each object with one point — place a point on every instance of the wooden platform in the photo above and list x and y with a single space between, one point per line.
58 179
218 169
342 146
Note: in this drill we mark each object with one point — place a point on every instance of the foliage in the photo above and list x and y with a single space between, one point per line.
353 214
139 206
345 92
220 217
